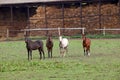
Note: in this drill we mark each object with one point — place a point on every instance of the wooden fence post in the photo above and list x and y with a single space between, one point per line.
7 35
59 31
104 31
83 30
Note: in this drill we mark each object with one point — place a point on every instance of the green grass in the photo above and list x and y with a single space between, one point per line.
103 64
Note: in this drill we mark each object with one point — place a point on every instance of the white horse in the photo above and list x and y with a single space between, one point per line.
63 45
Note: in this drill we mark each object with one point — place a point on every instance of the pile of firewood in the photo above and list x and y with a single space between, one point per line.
91 18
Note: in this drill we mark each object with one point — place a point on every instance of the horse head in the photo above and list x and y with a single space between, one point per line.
83 36
49 38
27 39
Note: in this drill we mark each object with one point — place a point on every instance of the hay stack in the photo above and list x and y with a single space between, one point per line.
89 21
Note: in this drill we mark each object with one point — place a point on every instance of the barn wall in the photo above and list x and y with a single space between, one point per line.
90 19
18 21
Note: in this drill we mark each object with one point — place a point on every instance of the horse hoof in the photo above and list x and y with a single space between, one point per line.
88 54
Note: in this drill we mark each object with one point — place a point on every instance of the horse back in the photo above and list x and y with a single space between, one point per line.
40 43
64 43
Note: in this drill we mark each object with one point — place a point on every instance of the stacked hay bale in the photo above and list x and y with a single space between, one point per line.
108 17
38 21
110 21
54 19
72 18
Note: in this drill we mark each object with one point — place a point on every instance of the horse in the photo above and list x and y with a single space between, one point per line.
49 45
63 45
86 45
34 45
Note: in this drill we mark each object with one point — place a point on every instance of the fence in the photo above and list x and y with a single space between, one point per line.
108 29
24 31
42 29
83 29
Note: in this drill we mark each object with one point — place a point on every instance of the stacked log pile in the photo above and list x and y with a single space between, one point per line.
72 18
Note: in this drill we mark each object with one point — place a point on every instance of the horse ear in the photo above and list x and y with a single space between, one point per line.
25 36
50 34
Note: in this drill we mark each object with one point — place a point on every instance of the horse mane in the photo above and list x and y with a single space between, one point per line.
28 39
60 38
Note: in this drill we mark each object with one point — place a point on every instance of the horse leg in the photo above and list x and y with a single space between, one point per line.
66 49
88 51
51 53
48 53
64 53
61 52
43 54
31 54
40 53
84 51
28 53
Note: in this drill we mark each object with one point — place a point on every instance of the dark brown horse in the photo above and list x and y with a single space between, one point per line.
86 45
49 45
34 45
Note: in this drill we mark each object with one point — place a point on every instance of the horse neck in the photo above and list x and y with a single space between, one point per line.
50 40
60 38
29 42
84 38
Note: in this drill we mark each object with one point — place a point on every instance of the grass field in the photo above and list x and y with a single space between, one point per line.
103 64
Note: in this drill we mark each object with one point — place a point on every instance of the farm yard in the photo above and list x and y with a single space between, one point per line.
103 64
99 20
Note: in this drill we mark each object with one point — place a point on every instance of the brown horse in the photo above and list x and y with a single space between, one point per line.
86 45
30 45
49 45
